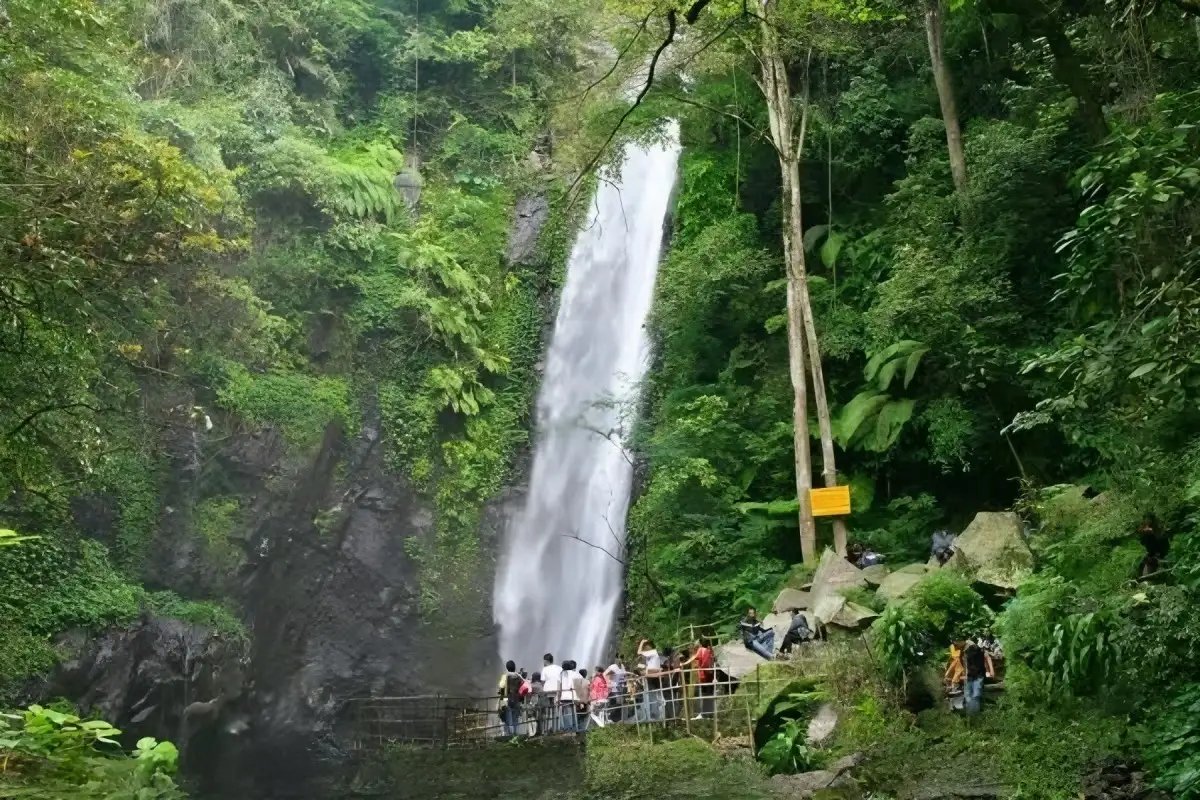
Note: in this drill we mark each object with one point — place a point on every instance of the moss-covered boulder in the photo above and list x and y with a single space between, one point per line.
993 550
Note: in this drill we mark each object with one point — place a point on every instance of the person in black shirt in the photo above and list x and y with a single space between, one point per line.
755 637
798 633
976 666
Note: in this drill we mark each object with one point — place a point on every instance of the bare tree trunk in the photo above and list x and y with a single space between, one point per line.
775 88
945 90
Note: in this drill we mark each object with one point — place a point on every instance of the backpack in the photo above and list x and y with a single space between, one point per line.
512 687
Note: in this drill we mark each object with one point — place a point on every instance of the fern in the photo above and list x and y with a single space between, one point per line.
365 181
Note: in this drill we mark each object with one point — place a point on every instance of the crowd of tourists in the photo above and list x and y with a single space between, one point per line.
564 698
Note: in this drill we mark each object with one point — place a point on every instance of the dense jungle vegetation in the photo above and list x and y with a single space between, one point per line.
1015 334
201 235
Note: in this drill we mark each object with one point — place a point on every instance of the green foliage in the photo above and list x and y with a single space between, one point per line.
939 609
786 752
1039 753
51 753
300 405
10 538
215 519
908 523
1174 747
216 616
784 725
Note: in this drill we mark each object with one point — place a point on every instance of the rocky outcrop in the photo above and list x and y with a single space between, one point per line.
822 726
789 599
808 784
992 550
834 576
159 677
900 582
875 574
532 212
853 616
1118 780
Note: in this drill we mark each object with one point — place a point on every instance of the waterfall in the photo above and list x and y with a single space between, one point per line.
559 578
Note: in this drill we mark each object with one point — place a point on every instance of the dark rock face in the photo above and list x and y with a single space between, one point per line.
532 213
1118 780
322 559
159 677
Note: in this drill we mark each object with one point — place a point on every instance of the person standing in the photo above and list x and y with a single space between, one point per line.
976 666
702 662
617 681
510 691
599 694
566 697
541 708
551 686
583 700
756 638
654 698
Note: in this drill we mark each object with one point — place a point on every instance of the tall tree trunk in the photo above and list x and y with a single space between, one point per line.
791 179
775 88
945 90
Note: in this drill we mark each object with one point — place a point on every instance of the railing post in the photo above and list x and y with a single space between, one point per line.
686 686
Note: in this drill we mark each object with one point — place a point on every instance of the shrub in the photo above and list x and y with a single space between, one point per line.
1173 752
938 609
51 753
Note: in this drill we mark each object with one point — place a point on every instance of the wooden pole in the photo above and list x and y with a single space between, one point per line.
687 714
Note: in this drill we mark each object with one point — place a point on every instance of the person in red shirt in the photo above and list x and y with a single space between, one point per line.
702 662
599 696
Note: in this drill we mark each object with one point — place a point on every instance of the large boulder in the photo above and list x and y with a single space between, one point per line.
789 599
875 574
834 576
736 661
993 550
898 584
822 725
853 616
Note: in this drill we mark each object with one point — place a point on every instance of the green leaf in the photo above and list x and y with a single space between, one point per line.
1144 369
889 424
876 361
813 235
852 416
831 248
914 359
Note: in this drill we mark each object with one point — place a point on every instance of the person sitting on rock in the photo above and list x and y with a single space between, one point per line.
942 546
798 633
755 637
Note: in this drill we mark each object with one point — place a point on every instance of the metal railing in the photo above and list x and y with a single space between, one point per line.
709 705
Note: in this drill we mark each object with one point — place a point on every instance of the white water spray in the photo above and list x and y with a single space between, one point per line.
559 577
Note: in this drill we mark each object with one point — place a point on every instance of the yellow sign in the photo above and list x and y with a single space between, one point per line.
832 502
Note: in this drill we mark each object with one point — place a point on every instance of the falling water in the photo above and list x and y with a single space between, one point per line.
559 580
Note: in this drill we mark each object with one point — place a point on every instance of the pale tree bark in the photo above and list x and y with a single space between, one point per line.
802 333
945 90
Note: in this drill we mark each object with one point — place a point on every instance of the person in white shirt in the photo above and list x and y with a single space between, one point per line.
551 685
654 697
616 680
566 697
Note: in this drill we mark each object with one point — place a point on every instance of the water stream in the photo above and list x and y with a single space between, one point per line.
560 572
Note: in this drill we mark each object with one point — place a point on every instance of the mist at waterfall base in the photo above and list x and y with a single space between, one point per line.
560 573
